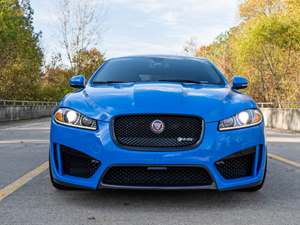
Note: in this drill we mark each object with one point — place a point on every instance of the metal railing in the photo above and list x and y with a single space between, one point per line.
282 105
26 103
46 103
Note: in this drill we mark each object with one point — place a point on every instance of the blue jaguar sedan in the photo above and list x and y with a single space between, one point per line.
158 122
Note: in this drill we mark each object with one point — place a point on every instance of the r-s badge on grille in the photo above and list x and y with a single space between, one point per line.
157 126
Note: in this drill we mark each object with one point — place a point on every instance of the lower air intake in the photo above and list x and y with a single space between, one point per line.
144 176
237 165
78 164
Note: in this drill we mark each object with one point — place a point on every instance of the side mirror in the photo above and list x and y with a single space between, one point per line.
239 82
77 81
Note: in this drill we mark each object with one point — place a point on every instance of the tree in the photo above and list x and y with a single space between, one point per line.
88 61
20 54
221 52
55 82
252 8
271 46
190 47
80 27
265 47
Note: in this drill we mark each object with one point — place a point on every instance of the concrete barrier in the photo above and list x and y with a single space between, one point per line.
288 119
10 113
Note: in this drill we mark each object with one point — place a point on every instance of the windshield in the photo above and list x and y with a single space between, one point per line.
158 69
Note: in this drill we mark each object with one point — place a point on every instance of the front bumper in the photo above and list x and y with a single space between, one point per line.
214 147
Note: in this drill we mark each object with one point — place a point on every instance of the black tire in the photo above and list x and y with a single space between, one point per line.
259 186
57 185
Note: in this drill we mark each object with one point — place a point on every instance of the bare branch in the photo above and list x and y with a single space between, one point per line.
80 25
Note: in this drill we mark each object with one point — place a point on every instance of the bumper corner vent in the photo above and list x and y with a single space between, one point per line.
77 164
237 165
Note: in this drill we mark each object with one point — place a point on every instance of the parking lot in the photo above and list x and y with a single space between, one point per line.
27 197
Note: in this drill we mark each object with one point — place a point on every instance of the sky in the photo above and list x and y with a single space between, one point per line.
144 26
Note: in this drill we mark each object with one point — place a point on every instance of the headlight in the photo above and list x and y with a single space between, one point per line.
243 119
72 118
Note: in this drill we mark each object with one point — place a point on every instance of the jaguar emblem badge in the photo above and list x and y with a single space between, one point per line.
157 126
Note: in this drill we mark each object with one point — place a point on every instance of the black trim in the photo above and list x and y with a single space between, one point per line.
177 188
241 187
55 156
241 153
259 157
72 185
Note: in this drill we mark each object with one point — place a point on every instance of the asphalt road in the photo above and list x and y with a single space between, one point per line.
23 147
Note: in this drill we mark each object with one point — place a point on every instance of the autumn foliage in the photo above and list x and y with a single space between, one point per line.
23 76
265 48
20 54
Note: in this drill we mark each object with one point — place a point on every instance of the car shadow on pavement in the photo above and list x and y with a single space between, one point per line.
280 188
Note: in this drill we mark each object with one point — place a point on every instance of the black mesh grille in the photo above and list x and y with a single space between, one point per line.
143 176
179 131
237 165
78 164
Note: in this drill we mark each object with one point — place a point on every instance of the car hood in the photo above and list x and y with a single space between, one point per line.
210 102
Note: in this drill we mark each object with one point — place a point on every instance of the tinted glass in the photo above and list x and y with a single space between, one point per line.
155 69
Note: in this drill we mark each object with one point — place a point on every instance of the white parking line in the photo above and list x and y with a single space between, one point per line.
24 141
284 160
283 139
27 128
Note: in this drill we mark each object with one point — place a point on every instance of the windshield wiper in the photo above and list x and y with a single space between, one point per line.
111 82
181 81
186 81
